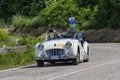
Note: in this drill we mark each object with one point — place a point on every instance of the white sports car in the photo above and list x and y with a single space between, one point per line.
62 48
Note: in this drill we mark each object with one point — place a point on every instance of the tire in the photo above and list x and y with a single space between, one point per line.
40 63
52 62
87 56
76 61
78 58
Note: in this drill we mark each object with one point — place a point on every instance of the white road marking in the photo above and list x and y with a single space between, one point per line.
89 68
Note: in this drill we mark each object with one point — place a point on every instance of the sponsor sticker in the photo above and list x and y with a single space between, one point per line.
59 45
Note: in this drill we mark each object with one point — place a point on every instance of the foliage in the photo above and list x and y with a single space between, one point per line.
86 17
3 37
16 59
86 3
22 21
108 15
9 8
19 59
29 41
55 13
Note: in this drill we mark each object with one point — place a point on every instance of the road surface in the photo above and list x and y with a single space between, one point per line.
104 64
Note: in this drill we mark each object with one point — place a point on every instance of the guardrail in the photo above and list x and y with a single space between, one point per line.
7 50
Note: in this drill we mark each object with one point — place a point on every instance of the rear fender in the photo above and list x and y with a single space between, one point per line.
85 46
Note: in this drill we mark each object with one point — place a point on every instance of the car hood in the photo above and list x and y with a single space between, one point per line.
54 44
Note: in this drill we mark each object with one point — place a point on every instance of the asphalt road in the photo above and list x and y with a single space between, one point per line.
104 64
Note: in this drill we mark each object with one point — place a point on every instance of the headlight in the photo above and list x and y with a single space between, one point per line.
40 46
68 44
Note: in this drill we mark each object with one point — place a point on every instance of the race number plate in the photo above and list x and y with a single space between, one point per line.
54 57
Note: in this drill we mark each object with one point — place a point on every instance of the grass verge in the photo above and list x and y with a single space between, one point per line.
13 59
16 59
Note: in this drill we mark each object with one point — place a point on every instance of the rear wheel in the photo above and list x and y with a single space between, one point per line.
40 63
87 56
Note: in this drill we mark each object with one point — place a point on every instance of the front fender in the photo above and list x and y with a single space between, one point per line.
75 48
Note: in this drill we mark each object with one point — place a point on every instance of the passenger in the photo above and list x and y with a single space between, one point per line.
78 36
74 34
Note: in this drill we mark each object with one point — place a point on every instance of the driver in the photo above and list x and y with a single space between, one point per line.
52 34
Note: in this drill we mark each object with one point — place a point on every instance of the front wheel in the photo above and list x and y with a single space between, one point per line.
52 62
76 61
40 63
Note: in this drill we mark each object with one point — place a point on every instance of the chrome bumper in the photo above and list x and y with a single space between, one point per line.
55 54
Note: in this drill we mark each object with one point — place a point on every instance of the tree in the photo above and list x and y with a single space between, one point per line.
108 15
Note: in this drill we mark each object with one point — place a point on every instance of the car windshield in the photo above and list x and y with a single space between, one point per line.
63 35
53 36
69 35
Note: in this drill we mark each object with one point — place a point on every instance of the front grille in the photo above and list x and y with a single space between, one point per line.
55 52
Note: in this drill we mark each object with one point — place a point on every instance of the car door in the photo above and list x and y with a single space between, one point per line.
81 51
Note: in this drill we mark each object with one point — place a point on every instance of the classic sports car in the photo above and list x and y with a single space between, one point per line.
61 48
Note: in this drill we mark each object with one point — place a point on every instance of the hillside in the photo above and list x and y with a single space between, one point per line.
35 17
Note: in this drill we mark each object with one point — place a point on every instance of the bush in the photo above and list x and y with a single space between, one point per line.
57 14
95 14
22 21
30 41
3 37
16 59
20 59
108 14
18 21
86 17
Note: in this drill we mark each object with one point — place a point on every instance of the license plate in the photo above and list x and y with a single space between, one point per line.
54 57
